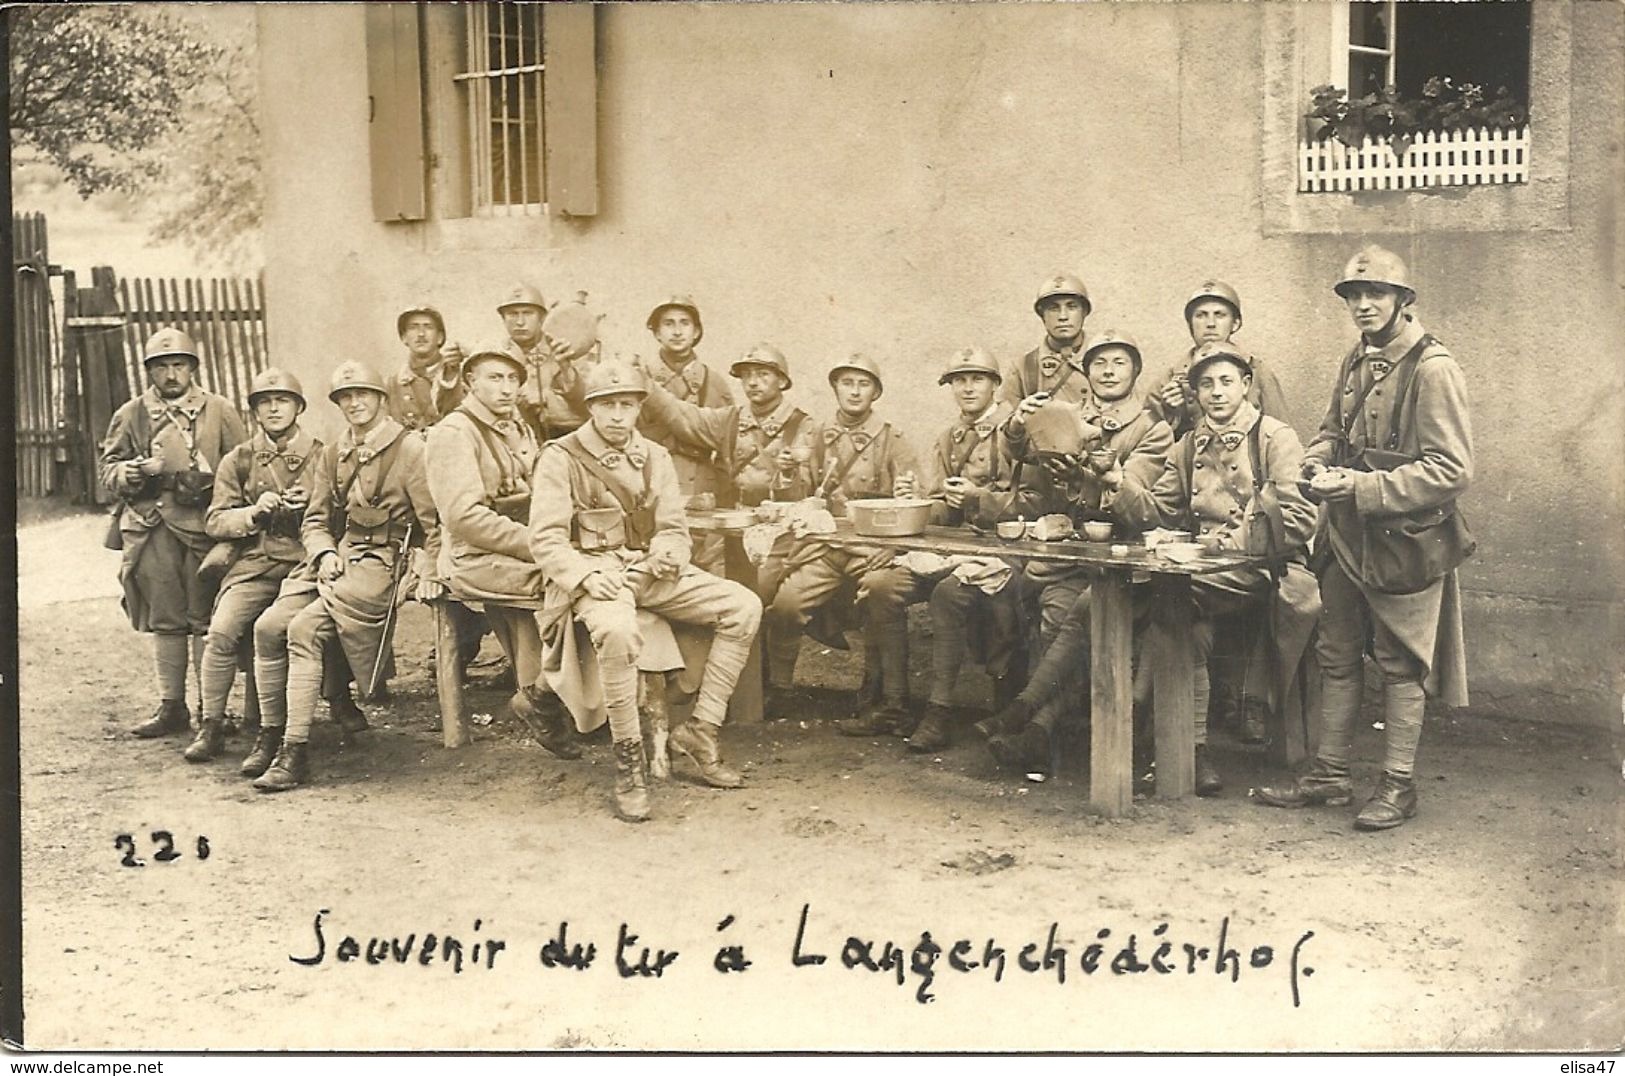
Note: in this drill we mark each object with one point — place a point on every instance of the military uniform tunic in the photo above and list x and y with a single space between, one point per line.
1044 369
1208 487
698 468
852 461
419 400
267 550
1419 635
384 489
479 468
747 445
552 398
563 490
163 538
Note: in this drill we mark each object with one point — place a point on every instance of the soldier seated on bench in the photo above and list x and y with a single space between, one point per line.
608 530
480 458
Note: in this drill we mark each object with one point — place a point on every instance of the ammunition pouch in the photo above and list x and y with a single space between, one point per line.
596 530
514 506
192 489
370 526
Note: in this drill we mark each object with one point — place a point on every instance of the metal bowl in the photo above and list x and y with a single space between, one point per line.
889 517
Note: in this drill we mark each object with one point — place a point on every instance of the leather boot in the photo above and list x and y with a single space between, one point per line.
1008 721
266 746
350 717
543 714
1254 721
1208 781
698 740
932 732
887 719
1032 750
1394 802
290 769
171 717
209 741
631 781
1323 786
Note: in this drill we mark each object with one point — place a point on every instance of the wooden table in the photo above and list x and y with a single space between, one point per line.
1111 770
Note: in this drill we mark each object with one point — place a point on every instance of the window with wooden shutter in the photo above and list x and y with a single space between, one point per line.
395 131
530 95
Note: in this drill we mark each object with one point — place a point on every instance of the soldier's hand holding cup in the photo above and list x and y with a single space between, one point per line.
903 485
954 489
295 498
267 503
1173 395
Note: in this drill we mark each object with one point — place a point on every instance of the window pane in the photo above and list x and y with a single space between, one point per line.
1368 23
1367 74
1484 44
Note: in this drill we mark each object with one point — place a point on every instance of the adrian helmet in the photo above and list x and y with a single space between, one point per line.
424 310
1372 264
1062 284
353 374
763 355
166 342
1213 289
612 379
1113 338
521 295
678 302
272 379
863 364
1210 353
971 360
495 351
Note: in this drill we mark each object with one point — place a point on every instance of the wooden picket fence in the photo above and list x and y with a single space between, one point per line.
42 433
1434 159
225 317
78 364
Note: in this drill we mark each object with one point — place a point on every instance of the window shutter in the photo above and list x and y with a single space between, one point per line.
395 128
570 108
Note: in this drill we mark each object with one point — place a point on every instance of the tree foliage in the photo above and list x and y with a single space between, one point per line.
95 89
143 101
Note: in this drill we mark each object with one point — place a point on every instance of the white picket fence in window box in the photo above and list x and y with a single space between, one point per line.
1434 159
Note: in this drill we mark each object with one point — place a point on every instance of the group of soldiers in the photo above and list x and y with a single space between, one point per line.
541 493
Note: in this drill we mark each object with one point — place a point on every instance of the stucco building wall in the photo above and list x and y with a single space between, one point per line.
898 179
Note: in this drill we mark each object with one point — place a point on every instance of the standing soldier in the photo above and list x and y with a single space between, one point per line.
677 327
971 459
1394 453
609 533
159 458
1213 316
370 506
427 385
1232 483
1133 441
858 456
260 494
1053 367
551 400
480 459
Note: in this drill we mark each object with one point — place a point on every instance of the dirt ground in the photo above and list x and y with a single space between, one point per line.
1491 922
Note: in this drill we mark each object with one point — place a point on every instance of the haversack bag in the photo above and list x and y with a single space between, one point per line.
1406 553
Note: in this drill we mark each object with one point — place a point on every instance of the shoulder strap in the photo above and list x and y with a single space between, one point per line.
499 451
975 440
341 497
1407 361
600 472
833 482
1407 387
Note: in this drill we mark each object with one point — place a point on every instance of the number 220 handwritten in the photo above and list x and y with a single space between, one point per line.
164 840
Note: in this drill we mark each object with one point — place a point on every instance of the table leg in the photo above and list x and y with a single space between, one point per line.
448 678
1172 685
1111 712
747 703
